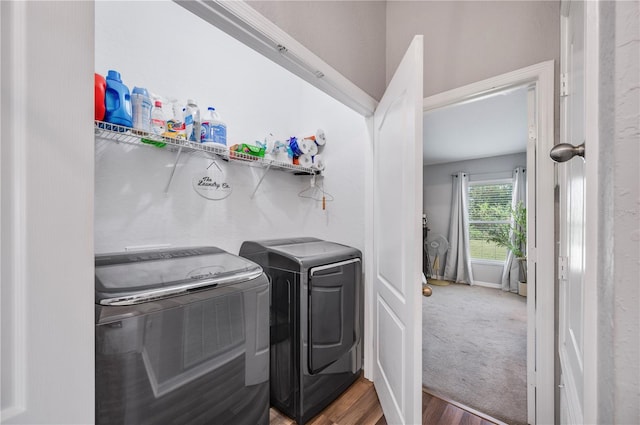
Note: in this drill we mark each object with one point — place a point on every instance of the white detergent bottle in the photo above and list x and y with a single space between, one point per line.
219 129
214 130
206 135
192 121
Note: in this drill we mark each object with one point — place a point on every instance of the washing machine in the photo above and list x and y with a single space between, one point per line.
316 321
181 337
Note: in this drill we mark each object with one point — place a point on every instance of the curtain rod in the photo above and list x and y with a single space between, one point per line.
489 172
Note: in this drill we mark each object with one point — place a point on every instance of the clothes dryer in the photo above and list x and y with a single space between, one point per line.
316 321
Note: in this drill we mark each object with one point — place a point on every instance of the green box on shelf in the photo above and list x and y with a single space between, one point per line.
246 149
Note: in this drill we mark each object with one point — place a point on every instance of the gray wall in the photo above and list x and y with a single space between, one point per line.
468 41
437 183
465 41
619 238
348 35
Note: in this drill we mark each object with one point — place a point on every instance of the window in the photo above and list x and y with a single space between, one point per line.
489 207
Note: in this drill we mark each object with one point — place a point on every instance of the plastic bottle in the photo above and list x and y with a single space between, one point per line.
141 108
117 101
100 89
158 123
182 131
175 123
214 129
206 136
192 121
219 129
171 121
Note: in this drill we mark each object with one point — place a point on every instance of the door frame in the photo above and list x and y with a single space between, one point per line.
541 238
46 250
592 209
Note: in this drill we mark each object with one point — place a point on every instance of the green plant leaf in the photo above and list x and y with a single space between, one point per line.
501 235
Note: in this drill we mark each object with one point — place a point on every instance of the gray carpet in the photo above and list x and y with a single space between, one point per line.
475 347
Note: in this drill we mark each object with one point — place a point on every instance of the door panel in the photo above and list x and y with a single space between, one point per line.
389 225
392 331
333 313
398 243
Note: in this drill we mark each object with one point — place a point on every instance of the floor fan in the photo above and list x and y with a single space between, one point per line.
437 248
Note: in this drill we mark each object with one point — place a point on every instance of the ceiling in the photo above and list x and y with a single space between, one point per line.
489 126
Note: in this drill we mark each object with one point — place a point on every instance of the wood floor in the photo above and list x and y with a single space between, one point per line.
359 405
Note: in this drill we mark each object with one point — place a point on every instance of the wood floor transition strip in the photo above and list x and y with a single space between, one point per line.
484 417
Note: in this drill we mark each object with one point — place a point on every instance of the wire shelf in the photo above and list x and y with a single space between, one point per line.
122 134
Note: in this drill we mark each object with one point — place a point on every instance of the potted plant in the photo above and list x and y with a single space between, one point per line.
502 236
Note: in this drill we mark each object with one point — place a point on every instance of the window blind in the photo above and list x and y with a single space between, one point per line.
489 207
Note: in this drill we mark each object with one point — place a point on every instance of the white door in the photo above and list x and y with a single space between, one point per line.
397 301
575 313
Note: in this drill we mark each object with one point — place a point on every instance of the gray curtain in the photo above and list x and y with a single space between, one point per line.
458 266
511 269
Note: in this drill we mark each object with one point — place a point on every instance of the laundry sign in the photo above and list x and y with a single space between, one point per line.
212 184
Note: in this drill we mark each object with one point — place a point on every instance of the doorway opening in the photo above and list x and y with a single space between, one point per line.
536 82
474 324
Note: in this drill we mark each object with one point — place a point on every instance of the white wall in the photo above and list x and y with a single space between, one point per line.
494 125
437 182
619 232
170 51
348 35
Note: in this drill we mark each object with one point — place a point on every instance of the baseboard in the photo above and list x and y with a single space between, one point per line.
463 407
487 284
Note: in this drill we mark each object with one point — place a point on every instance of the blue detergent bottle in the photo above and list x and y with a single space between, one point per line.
117 100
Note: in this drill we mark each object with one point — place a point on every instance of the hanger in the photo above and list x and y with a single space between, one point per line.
316 192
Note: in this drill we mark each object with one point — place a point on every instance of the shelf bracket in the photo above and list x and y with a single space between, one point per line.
213 162
260 182
173 171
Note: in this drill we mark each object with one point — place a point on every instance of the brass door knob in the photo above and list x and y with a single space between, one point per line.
426 291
